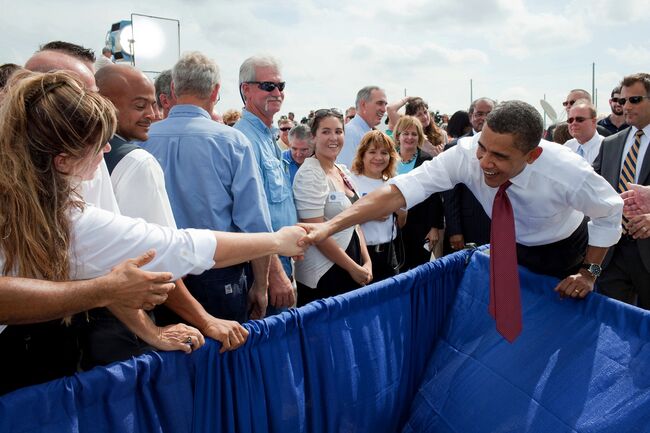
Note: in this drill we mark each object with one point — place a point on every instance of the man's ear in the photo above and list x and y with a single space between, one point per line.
534 154
215 94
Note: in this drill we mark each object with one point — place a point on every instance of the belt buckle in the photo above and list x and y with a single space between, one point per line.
379 248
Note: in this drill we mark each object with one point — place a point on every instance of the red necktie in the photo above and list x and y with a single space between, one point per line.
505 301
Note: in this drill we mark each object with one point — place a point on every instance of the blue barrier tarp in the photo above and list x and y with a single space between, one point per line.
349 363
578 366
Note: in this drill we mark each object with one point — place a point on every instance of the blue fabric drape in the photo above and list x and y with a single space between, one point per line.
578 366
349 363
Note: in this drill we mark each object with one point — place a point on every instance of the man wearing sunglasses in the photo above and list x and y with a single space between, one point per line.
284 125
615 122
582 127
624 159
262 89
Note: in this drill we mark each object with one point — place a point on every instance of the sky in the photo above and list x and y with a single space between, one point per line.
507 49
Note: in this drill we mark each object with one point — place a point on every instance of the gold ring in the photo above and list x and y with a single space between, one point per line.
576 291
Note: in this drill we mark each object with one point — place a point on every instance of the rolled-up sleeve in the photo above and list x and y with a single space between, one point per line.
431 177
102 240
604 207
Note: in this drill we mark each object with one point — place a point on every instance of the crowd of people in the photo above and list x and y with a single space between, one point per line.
136 217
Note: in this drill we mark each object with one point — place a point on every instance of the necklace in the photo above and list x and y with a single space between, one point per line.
409 161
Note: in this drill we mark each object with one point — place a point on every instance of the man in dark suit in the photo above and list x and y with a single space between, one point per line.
624 159
465 219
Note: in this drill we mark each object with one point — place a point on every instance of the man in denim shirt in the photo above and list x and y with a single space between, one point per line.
212 183
261 87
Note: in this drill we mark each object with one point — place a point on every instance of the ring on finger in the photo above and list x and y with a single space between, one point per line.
189 341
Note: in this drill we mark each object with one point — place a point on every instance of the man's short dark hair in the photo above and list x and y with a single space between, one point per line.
521 120
74 50
640 77
616 90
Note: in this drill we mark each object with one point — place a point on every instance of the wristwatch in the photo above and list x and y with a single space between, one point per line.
593 268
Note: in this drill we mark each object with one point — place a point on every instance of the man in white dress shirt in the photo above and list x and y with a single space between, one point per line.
582 127
552 191
371 107
139 185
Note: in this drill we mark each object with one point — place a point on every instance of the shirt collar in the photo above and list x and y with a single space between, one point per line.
255 121
359 121
593 141
183 110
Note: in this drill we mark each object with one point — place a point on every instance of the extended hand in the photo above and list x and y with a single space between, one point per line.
289 239
636 200
457 242
316 233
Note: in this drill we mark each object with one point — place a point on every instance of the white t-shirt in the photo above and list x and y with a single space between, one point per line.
316 196
375 232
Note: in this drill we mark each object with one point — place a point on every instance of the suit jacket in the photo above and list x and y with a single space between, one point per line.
608 165
464 214
419 220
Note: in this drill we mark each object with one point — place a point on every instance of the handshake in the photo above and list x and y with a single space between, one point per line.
293 241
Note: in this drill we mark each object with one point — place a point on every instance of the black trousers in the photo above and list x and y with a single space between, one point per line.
335 281
384 261
559 259
33 354
625 278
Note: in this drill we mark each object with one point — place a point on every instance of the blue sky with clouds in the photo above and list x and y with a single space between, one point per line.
329 49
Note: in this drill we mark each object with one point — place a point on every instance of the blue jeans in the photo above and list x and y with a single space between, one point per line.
223 292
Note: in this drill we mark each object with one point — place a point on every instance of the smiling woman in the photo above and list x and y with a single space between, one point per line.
322 189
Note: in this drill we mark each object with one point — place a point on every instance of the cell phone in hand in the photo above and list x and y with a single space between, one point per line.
426 245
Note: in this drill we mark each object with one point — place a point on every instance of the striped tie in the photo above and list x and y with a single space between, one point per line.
628 171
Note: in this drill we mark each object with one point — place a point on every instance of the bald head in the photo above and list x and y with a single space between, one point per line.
48 61
134 97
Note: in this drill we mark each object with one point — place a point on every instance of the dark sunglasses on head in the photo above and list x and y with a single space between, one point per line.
632 99
323 112
569 103
268 86
285 128
578 119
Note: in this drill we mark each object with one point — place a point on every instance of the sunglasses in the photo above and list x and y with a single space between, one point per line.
328 112
578 119
350 117
569 103
633 100
268 86
285 128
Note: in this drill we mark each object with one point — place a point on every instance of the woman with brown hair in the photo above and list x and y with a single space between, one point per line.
54 136
374 163
322 189
421 234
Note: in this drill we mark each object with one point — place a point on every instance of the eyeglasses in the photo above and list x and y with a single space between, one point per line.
633 100
285 128
350 117
616 101
569 103
268 86
578 119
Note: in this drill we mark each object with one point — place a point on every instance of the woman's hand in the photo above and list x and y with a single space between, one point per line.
360 274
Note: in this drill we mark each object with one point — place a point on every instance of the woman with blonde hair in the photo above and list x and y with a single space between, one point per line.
435 137
54 136
374 163
421 234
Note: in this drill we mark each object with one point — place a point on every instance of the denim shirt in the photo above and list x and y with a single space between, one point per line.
274 172
209 171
